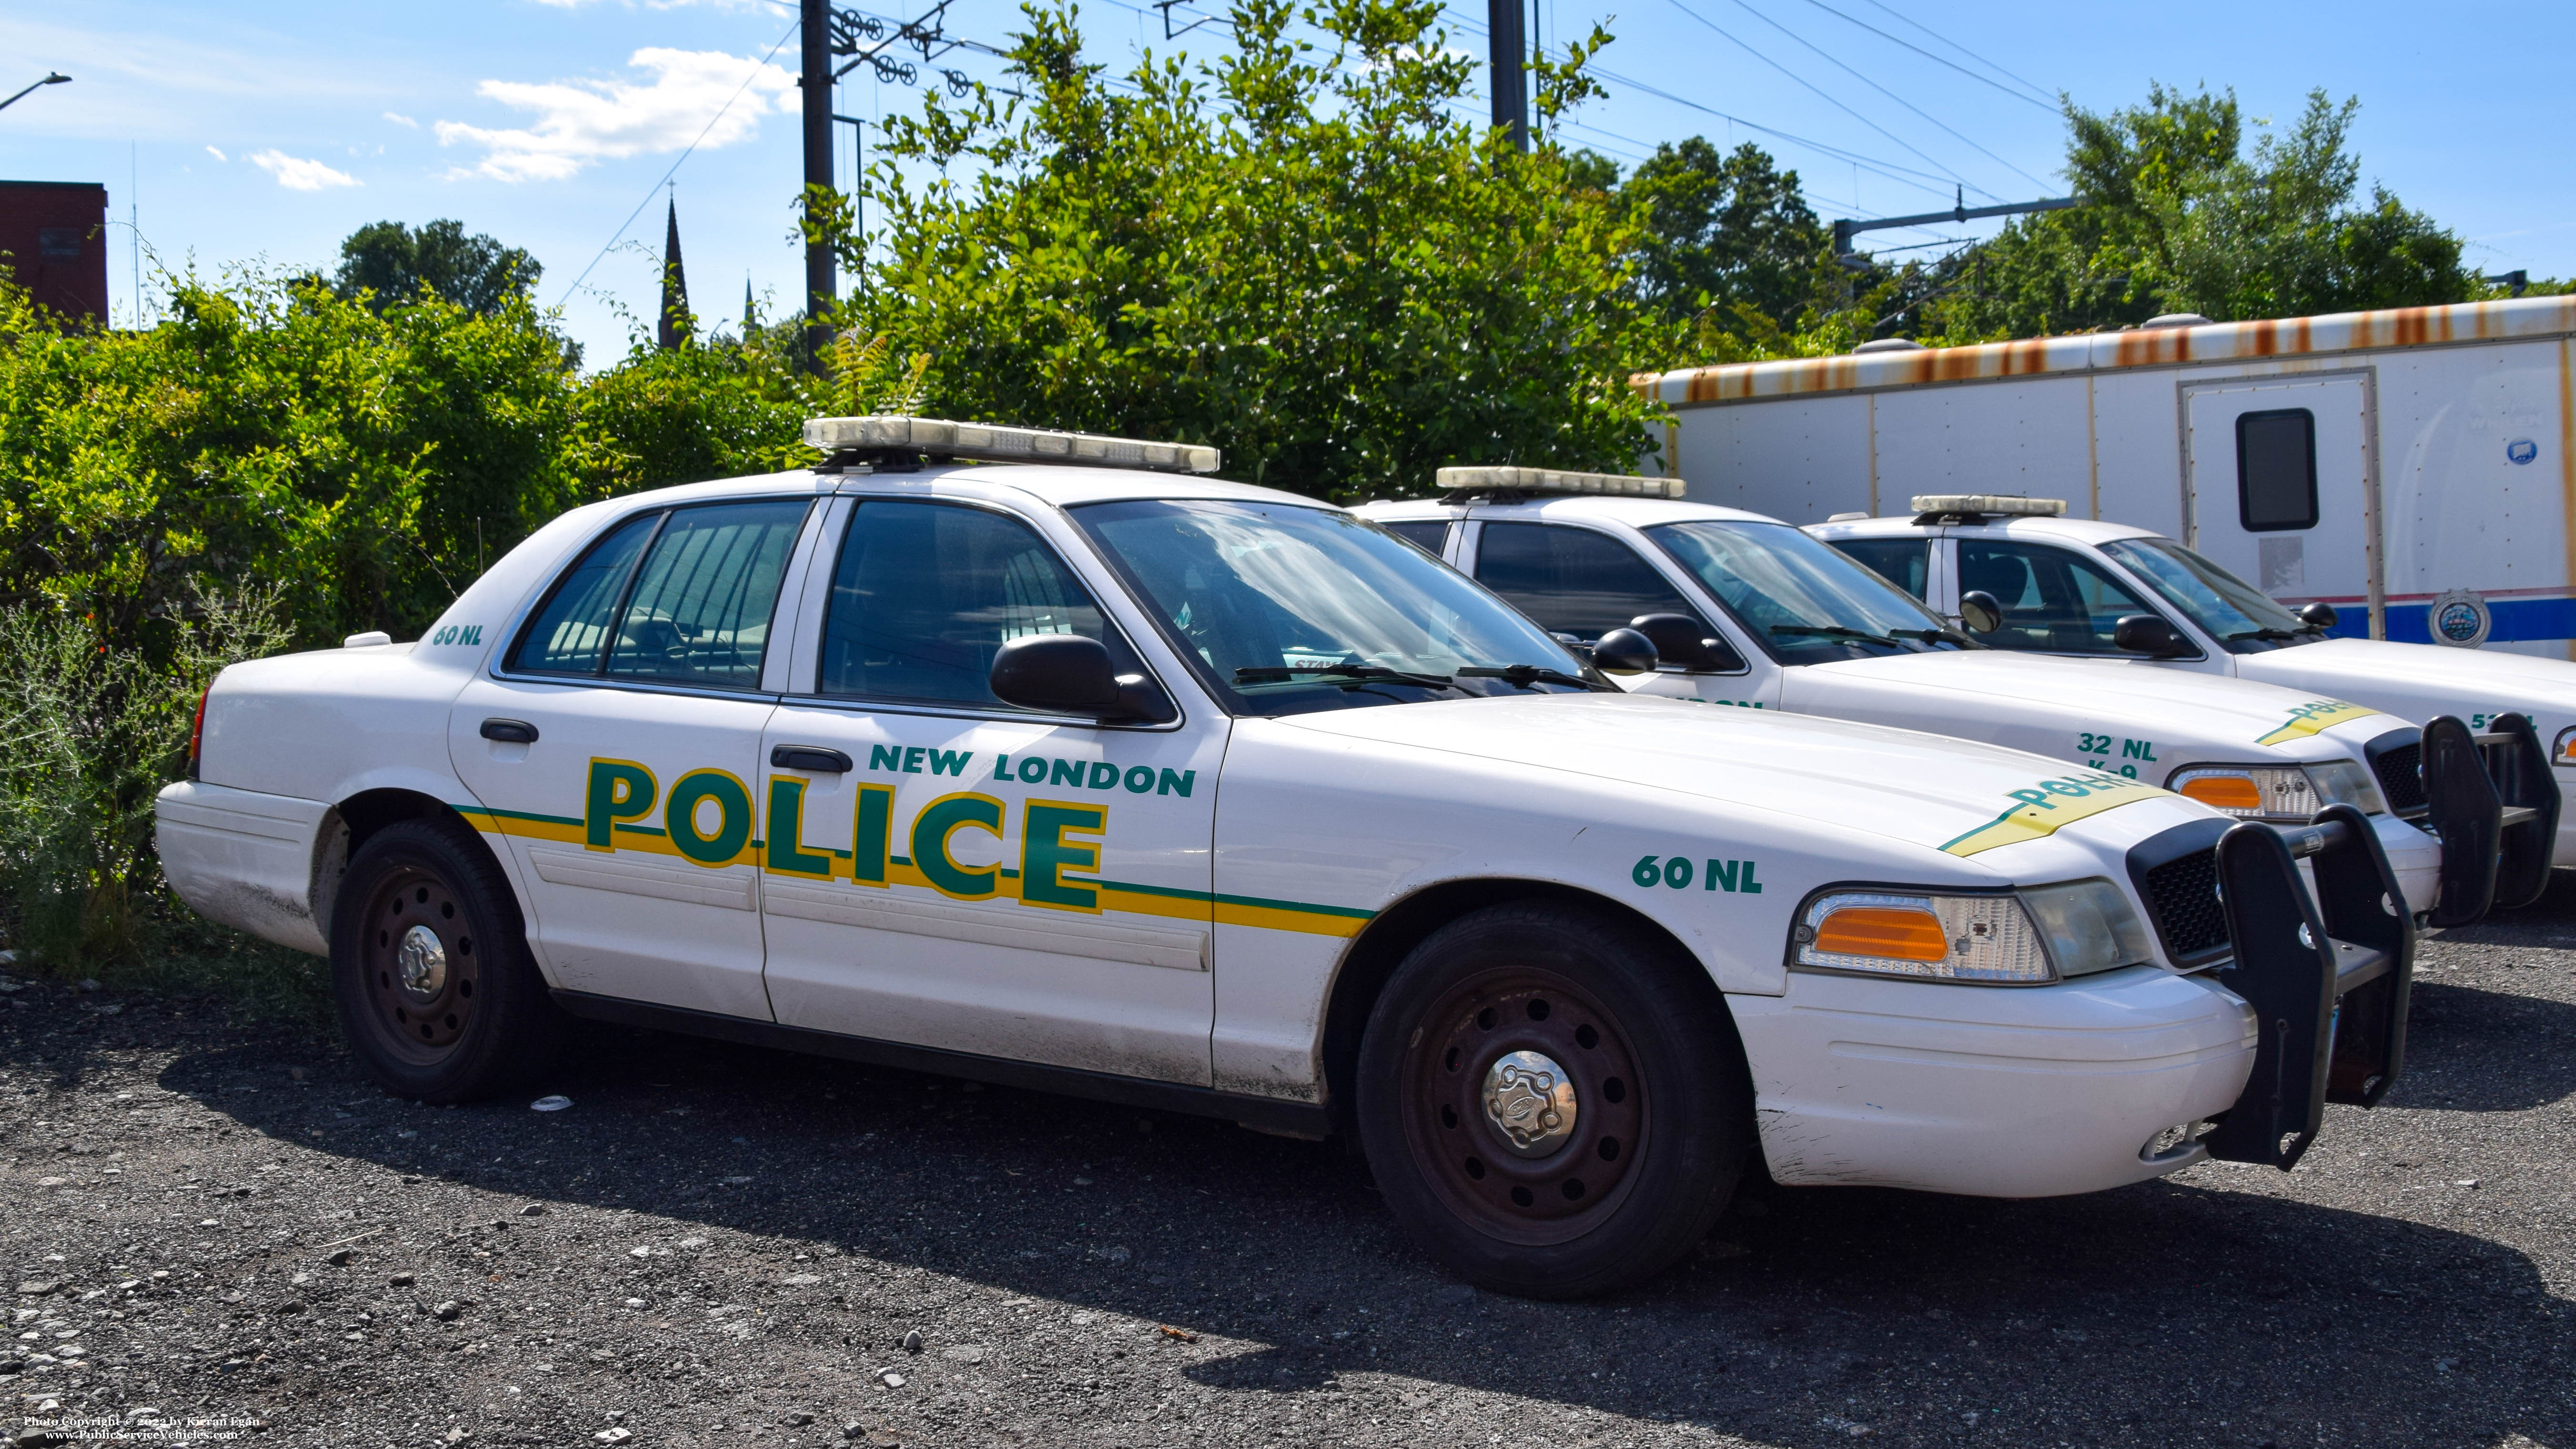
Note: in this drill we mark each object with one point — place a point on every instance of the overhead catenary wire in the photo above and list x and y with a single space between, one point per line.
1836 61
2051 103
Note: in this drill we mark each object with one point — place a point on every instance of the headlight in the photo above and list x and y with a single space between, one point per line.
2279 792
2041 934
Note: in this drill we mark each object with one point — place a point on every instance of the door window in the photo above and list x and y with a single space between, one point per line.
2053 601
1572 580
925 594
2276 470
1430 535
1904 562
679 596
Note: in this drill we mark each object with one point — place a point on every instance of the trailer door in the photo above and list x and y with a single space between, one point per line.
2279 488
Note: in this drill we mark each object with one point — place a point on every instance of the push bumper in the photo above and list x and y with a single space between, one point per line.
2494 803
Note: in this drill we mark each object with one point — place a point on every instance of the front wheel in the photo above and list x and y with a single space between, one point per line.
1553 1100
430 967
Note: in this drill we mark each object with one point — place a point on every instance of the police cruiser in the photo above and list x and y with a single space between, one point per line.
1745 610
1088 772
2023 577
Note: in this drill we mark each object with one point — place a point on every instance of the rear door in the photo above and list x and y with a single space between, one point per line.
2279 485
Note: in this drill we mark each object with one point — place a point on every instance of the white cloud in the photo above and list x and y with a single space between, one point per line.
297 174
582 121
399 119
218 155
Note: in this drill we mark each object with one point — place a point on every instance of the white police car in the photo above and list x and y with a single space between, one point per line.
2107 591
1746 610
1129 783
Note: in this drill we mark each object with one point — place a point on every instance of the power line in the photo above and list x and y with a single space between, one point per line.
1884 91
1827 97
675 166
2047 105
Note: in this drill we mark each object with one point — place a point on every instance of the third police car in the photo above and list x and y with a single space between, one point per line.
1086 771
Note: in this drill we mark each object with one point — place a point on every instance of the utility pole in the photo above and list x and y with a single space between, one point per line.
1510 82
820 281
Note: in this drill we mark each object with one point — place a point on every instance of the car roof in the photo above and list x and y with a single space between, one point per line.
1053 484
1635 512
2072 530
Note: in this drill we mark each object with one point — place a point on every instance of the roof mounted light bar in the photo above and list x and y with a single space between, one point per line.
1554 480
901 442
1932 507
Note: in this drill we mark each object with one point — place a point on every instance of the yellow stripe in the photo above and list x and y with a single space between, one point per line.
2074 798
2315 715
1272 918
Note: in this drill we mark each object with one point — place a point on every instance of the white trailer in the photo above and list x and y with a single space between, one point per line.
2414 468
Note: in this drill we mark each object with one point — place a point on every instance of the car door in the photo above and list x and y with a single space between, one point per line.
1904 562
950 871
1581 583
2053 600
614 751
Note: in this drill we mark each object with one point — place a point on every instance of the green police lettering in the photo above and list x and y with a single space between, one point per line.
1045 853
722 845
786 848
931 829
619 790
1676 873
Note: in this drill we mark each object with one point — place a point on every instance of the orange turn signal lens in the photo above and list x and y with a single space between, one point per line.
1890 932
2223 792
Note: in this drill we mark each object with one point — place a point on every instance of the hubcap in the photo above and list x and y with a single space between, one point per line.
1530 1101
421 961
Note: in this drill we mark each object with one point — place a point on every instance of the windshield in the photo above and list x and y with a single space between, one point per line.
1285 609
1803 602
2239 615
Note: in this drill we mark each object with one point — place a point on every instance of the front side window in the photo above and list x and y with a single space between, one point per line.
1573 580
1285 609
678 596
925 594
2276 470
2054 601
1904 562
1803 602
2227 608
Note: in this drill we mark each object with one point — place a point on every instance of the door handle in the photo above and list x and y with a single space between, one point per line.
809 757
510 731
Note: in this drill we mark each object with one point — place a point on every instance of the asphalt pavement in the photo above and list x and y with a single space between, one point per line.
219 1233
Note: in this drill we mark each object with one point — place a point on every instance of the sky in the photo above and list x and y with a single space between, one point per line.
261 132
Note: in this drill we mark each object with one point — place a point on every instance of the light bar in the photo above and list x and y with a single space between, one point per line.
1989 503
1552 480
991 443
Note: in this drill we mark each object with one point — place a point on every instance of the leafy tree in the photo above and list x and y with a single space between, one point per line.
1299 253
1731 232
393 262
2176 216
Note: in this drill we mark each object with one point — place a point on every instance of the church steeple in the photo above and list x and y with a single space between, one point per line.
675 323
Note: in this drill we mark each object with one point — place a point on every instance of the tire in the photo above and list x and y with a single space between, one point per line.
464 1016
1525 1197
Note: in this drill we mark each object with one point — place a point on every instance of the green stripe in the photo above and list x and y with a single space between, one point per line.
1346 912
1989 825
514 815
634 829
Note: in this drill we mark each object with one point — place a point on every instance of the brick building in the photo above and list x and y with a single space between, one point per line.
53 241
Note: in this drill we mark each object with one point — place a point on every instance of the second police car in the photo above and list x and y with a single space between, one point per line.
1752 612
1086 772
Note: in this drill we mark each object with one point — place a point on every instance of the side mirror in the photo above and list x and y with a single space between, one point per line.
1982 612
1069 674
1623 651
2149 634
2319 615
1682 640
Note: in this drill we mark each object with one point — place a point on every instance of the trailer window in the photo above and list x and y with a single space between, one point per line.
2276 470
2054 602
1901 561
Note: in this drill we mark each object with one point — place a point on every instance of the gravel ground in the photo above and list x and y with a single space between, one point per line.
221 1232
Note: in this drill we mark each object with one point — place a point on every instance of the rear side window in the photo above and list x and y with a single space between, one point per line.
2054 602
1572 580
925 594
2276 470
1903 562
681 596
1429 535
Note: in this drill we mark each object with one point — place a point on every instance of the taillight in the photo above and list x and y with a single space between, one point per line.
197 732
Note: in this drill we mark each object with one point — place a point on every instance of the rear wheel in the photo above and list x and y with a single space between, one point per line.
1552 1100
430 967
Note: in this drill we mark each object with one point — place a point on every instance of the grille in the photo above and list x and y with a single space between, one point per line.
2184 895
2401 777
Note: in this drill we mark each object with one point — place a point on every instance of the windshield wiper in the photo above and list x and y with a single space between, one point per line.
2268 632
1275 673
1522 676
1834 631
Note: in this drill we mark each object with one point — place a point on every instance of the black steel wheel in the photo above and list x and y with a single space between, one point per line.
430 967
1553 1100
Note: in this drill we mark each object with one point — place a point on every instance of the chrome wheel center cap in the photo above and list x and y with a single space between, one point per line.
1530 1101
421 962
